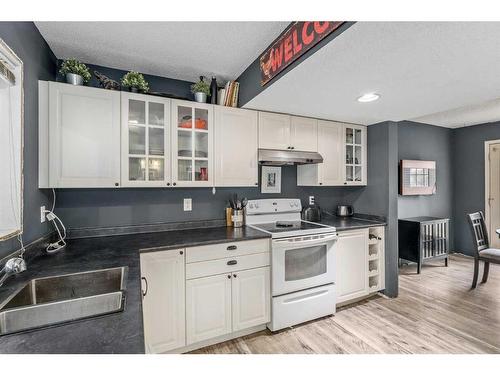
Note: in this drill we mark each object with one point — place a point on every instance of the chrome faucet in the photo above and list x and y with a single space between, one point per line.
12 267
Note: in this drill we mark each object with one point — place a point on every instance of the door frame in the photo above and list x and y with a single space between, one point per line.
487 180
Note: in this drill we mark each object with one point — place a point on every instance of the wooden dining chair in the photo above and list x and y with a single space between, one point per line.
483 251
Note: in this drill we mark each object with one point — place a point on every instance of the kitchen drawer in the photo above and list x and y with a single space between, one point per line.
226 250
218 266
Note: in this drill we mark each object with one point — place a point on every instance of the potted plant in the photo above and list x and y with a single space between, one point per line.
135 82
76 72
201 90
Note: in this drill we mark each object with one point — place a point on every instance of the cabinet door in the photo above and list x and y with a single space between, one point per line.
354 154
236 136
84 131
304 134
208 307
145 140
192 144
163 305
251 292
274 131
330 147
352 265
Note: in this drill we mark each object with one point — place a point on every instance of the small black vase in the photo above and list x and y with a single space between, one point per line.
213 90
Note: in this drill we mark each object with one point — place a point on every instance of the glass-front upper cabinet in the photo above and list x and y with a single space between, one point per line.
145 140
192 144
355 154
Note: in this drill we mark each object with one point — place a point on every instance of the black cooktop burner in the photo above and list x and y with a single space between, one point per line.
284 224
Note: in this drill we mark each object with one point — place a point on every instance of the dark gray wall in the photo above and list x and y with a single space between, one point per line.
39 63
176 87
380 196
83 208
468 178
249 80
427 142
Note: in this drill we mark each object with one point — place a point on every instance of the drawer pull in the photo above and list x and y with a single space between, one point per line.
232 262
232 247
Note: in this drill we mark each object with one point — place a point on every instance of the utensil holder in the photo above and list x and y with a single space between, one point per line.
237 218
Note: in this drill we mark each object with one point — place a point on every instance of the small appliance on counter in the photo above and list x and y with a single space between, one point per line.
344 211
311 212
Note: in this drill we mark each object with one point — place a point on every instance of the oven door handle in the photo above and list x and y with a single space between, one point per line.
291 242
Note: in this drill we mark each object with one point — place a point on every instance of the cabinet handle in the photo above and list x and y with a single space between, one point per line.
145 291
256 184
232 247
293 148
117 184
228 276
321 183
174 184
234 275
345 183
288 148
181 252
168 183
232 262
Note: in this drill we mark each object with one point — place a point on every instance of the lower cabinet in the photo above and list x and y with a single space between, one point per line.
352 265
208 307
251 297
221 304
163 303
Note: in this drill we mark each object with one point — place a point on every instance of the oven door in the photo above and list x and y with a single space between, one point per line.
302 262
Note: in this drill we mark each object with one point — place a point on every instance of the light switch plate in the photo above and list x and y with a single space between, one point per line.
188 204
42 214
311 200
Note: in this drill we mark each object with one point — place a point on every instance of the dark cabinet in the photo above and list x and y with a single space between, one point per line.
423 238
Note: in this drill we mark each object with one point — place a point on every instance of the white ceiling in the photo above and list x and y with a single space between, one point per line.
419 68
182 50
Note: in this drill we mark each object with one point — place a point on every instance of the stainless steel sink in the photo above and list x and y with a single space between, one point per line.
59 299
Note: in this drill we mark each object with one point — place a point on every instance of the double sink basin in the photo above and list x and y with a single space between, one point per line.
54 300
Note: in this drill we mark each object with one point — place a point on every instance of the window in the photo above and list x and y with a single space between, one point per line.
11 134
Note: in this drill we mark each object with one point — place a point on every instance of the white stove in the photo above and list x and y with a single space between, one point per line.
303 267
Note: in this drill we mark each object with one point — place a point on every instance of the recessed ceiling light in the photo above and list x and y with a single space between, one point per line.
368 97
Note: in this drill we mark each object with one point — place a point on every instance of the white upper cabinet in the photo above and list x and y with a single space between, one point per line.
79 136
304 134
192 144
355 154
236 137
274 131
145 141
285 132
163 304
330 146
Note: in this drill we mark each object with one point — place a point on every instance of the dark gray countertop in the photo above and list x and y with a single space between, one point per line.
117 333
353 222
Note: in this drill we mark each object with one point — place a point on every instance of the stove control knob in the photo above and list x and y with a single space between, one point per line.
250 205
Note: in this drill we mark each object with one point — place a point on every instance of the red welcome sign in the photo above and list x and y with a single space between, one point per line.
297 39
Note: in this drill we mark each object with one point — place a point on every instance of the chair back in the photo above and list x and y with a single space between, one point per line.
479 232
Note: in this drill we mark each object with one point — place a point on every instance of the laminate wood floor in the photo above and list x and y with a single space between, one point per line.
435 312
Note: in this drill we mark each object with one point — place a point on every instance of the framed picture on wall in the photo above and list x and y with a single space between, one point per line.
271 180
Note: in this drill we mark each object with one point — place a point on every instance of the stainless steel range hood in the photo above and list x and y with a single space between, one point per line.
288 157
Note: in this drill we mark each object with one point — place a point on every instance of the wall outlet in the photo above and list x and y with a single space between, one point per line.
42 214
188 204
311 200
